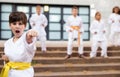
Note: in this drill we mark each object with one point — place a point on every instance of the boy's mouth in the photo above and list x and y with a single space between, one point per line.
17 31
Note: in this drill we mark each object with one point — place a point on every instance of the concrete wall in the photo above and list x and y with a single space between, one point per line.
66 2
104 6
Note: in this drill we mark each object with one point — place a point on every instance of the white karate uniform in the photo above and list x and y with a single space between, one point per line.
115 28
20 51
74 21
98 39
40 22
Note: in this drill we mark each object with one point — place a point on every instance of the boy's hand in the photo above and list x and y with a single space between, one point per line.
43 25
30 34
81 32
95 32
4 57
33 24
113 21
104 31
70 30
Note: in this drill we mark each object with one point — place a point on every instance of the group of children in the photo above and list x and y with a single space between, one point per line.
98 31
20 49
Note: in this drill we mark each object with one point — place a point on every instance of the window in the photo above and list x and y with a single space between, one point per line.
6 9
54 23
57 18
85 15
57 15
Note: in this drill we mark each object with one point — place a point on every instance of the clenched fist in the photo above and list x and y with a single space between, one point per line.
30 34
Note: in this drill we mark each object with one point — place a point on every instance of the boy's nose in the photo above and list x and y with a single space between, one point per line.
17 26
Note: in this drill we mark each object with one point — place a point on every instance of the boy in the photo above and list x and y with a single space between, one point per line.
20 49
98 31
74 27
38 22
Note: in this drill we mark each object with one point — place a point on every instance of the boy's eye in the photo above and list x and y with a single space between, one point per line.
14 23
20 23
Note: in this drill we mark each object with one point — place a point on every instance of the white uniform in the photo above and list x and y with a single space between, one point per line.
74 21
20 51
115 28
39 22
98 39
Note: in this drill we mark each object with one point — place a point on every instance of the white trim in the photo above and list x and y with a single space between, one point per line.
59 2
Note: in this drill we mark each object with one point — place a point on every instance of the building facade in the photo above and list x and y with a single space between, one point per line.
56 12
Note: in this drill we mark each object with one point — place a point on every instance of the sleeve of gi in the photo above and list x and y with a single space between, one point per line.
110 19
93 28
31 46
45 21
67 26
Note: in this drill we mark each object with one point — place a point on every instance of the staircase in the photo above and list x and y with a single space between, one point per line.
53 63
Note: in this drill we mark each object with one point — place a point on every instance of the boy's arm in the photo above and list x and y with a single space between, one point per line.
30 35
67 26
104 28
81 26
110 20
93 28
45 21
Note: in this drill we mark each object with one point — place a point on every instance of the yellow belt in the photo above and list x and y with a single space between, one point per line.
77 28
14 65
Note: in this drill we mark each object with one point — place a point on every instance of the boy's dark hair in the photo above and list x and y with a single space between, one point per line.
74 7
38 6
97 13
119 12
113 10
17 16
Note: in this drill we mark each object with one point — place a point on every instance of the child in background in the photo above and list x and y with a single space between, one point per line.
74 27
98 31
114 21
38 21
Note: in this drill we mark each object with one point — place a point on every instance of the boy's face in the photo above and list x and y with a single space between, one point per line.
38 10
116 10
98 16
17 28
74 12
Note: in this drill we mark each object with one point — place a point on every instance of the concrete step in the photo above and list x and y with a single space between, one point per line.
76 67
86 48
75 60
60 48
75 53
72 60
110 73
53 63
